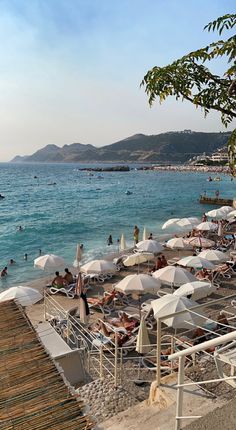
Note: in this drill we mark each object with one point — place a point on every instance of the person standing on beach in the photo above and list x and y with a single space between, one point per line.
136 234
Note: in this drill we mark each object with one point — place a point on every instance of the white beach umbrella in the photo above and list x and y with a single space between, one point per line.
200 242
170 304
207 226
49 262
173 276
214 255
187 223
78 256
98 266
25 296
196 262
143 342
231 214
134 259
220 212
122 242
170 223
197 290
150 246
141 283
226 209
145 234
178 243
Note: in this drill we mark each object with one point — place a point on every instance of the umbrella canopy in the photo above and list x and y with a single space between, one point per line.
188 223
150 246
138 284
98 266
197 290
196 262
220 212
78 256
170 223
200 242
143 342
214 256
178 243
26 296
134 259
231 214
173 276
49 262
207 226
122 242
169 304
226 209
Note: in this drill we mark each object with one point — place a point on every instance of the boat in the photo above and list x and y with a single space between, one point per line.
215 201
217 178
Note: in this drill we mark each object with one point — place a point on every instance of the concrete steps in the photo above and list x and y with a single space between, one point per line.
159 412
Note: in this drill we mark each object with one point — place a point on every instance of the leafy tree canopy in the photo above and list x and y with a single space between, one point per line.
188 78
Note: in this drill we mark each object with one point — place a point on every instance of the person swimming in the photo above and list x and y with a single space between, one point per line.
109 240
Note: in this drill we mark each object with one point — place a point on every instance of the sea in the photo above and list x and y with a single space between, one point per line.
58 206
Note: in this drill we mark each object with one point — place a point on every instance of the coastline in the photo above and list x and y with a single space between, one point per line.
155 167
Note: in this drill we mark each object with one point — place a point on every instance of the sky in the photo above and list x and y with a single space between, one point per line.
70 70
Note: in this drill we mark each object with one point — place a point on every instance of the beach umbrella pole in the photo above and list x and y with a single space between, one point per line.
158 358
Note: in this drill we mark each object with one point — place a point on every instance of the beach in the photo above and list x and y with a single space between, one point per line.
224 393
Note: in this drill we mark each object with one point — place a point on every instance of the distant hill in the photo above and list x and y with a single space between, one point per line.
170 147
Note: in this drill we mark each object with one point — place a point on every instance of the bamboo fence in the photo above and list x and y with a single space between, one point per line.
33 394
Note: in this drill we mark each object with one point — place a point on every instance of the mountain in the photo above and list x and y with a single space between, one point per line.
166 147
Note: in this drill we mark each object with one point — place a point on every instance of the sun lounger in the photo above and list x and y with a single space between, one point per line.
68 291
126 341
134 312
105 304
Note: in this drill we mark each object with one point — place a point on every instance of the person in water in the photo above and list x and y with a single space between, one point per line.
4 272
20 228
26 257
11 261
109 240
136 234
150 237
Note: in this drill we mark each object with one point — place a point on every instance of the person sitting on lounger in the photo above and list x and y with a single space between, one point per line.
164 261
68 277
204 274
121 337
124 321
222 268
58 281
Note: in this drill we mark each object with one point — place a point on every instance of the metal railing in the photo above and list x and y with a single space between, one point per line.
181 355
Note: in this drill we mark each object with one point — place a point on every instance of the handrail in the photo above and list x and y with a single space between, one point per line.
229 337
204 345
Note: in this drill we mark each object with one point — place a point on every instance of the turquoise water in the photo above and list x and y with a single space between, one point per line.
86 209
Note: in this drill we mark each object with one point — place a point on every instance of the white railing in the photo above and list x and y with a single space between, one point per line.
181 384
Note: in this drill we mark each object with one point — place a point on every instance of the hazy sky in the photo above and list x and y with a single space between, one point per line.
70 69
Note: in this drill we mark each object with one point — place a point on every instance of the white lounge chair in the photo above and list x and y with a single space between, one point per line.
68 291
